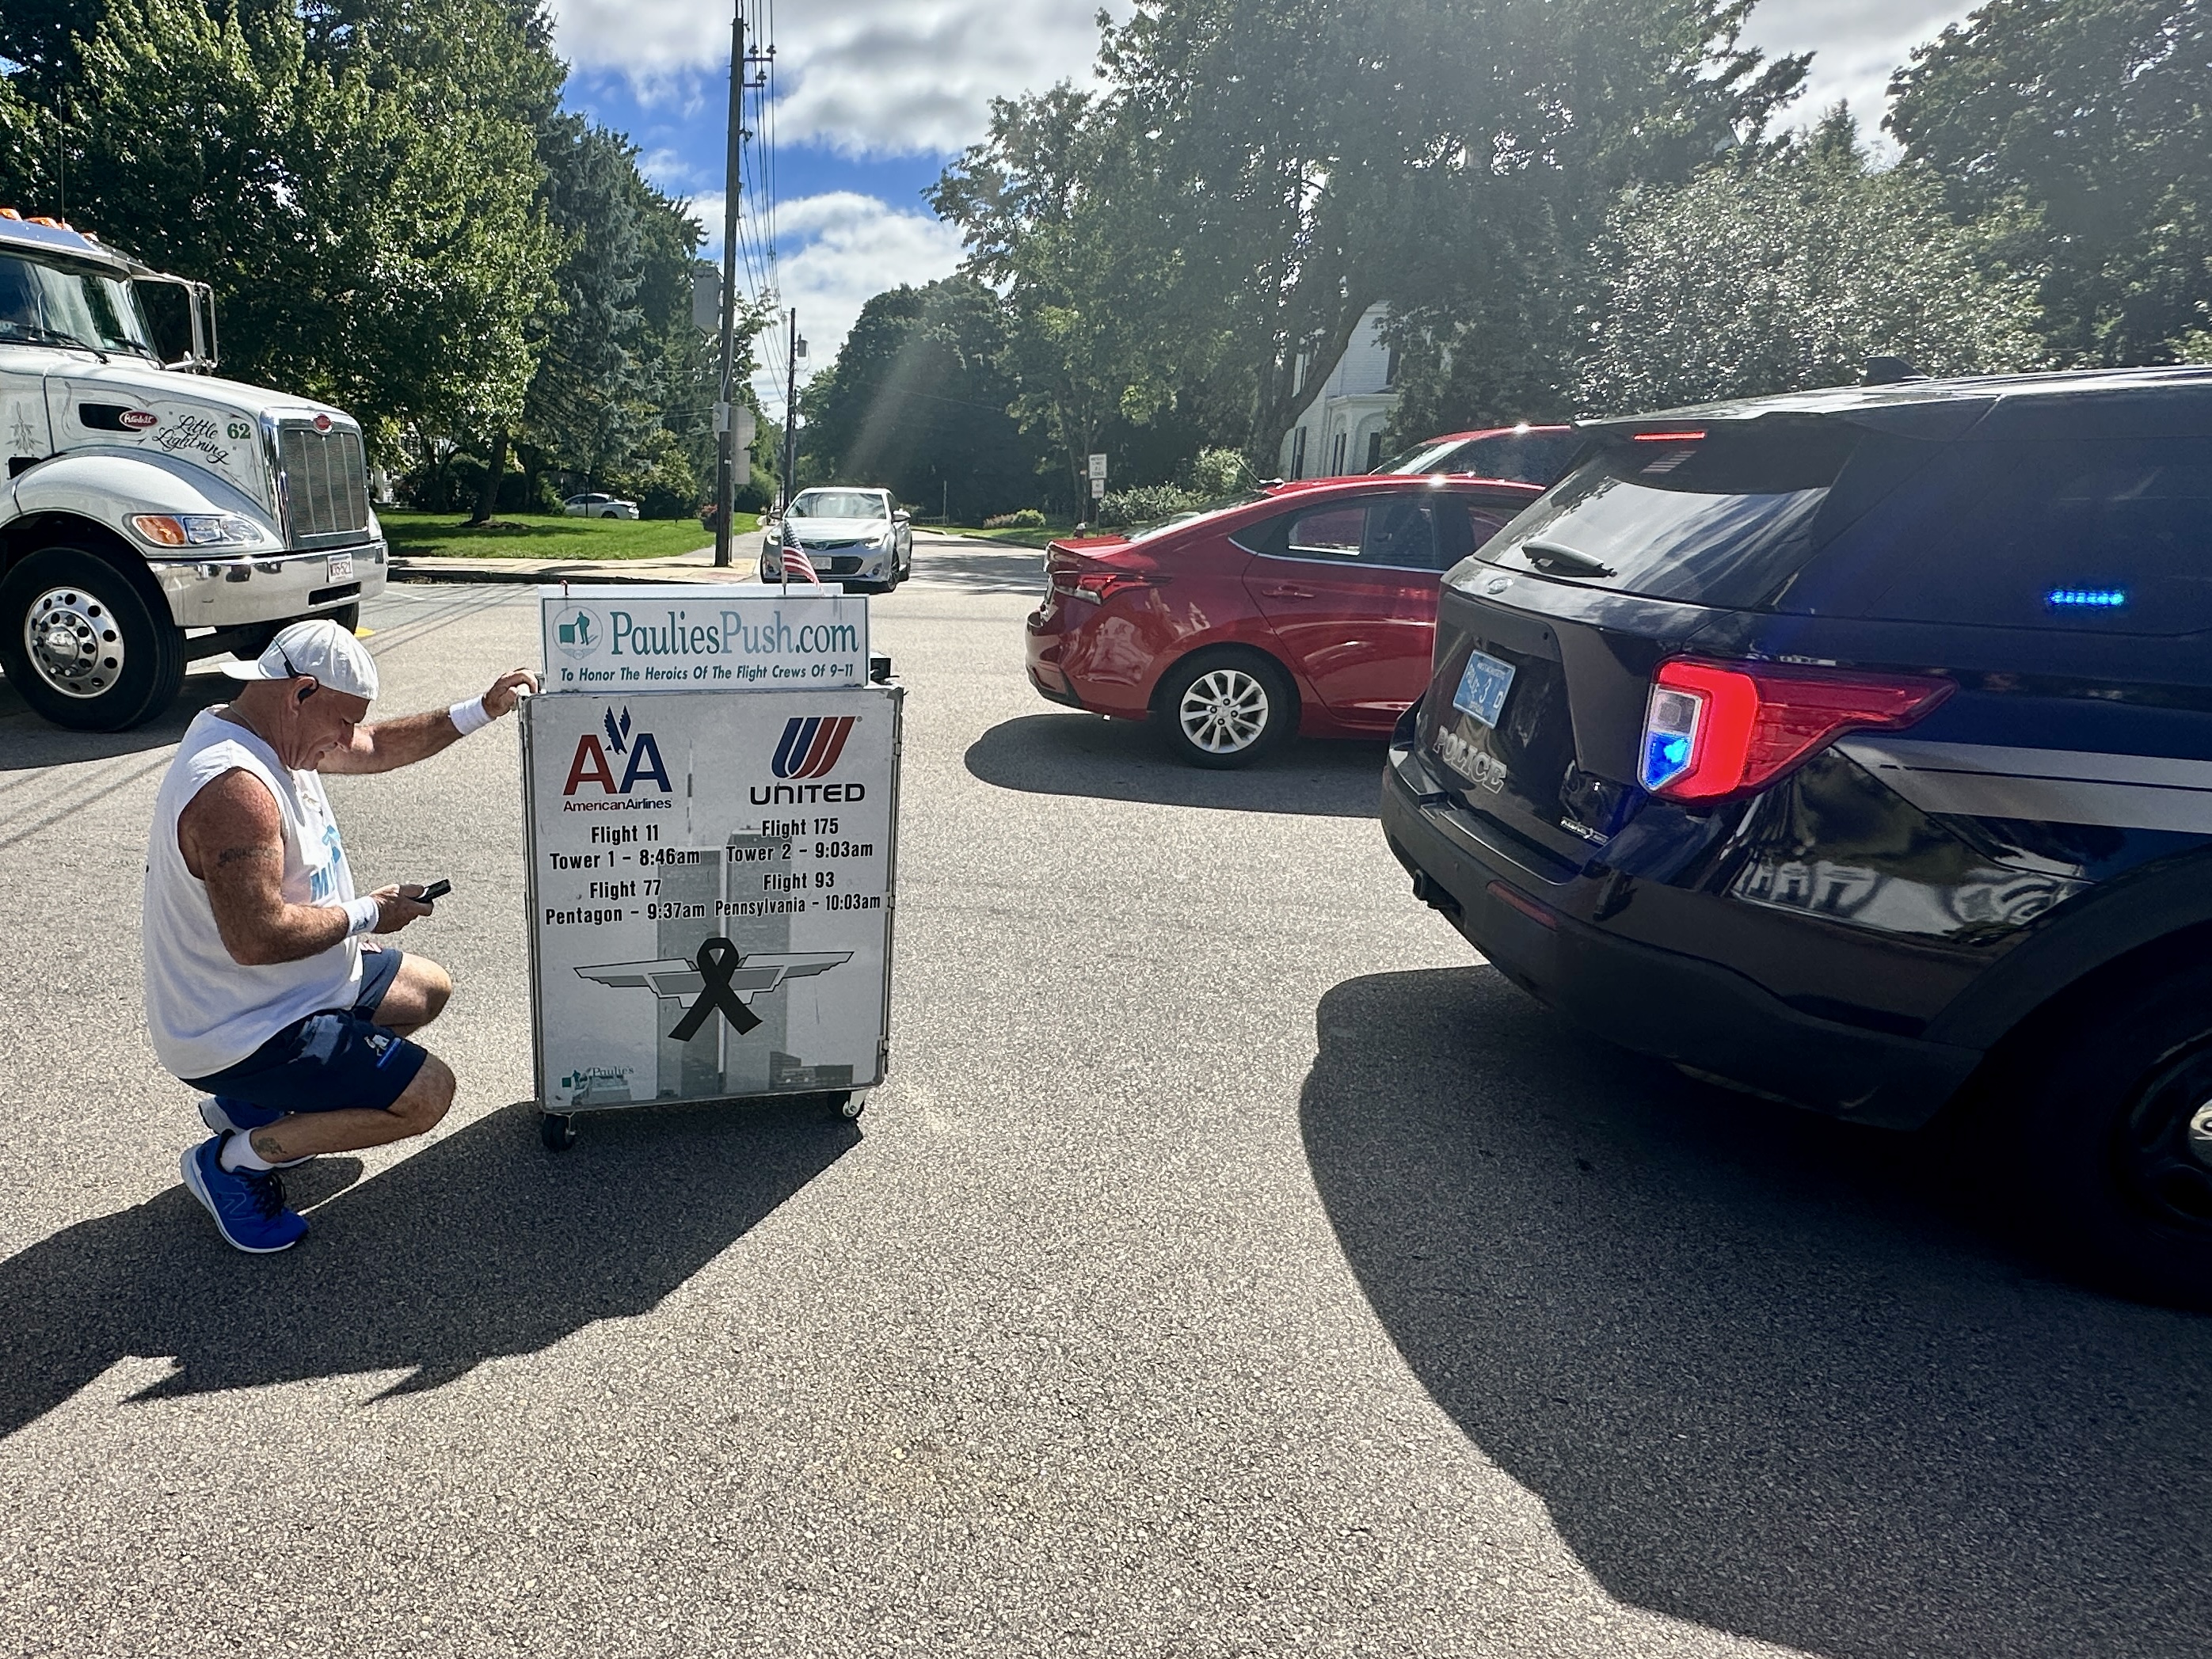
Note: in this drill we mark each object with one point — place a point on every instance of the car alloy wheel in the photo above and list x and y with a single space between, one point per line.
2104 1115
1223 711
2163 1154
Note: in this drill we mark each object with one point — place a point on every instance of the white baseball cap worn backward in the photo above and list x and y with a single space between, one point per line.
322 650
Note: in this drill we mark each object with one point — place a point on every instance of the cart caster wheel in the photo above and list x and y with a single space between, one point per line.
558 1133
850 1105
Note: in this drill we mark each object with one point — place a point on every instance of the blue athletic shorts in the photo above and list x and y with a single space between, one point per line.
327 1063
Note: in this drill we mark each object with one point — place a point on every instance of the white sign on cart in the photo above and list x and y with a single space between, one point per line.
711 877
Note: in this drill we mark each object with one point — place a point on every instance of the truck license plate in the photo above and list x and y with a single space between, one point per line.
1482 687
342 567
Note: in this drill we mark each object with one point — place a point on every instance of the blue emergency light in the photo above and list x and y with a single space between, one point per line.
2086 598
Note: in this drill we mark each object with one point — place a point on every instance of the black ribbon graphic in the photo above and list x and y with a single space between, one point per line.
717 960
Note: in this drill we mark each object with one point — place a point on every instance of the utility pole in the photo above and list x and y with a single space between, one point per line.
726 425
790 411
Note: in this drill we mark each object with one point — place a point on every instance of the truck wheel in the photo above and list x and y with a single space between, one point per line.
83 646
1225 708
2114 1141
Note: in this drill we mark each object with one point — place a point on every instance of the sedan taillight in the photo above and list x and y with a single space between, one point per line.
1714 729
1100 586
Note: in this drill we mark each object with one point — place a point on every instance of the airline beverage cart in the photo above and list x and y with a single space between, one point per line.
710 784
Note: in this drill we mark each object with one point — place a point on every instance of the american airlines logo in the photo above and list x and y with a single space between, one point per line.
811 747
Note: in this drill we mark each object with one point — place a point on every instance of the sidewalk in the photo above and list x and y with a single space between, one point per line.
696 566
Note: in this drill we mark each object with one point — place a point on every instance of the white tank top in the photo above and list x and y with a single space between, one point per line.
205 1009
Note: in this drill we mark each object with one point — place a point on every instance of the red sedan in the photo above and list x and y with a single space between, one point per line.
1312 611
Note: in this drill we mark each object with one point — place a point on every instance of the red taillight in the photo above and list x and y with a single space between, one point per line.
1714 729
1100 586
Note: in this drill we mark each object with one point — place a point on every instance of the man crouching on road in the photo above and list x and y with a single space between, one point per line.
258 989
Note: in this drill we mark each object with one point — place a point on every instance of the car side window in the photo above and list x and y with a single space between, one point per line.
1401 533
1394 532
1329 532
2111 534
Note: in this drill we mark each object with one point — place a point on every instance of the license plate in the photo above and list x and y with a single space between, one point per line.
341 567
1482 687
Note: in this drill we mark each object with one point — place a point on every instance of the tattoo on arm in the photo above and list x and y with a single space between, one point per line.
235 854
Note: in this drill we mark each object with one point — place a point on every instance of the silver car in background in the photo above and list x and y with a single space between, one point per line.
599 506
858 537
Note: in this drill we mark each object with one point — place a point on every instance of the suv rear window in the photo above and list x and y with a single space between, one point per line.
1719 517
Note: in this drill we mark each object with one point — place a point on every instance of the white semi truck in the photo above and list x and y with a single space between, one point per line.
152 513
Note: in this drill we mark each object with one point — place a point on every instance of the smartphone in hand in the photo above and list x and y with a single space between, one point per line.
436 890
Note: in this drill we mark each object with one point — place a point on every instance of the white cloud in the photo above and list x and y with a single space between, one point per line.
839 251
1856 45
863 78
707 207
875 77
642 39
886 76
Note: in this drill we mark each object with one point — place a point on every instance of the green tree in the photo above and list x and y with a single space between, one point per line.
1788 271
43 38
917 401
362 191
1255 174
2088 122
1033 202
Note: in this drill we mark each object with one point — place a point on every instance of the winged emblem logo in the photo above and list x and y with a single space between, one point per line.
616 733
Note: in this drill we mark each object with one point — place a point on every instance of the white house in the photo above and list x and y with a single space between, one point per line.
1340 428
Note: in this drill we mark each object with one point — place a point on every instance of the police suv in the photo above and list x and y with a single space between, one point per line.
1855 748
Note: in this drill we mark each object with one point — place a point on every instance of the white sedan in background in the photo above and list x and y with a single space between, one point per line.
861 537
597 506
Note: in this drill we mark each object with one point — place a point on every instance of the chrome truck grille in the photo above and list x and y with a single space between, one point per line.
325 483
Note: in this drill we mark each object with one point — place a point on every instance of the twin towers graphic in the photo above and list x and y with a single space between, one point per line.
707 983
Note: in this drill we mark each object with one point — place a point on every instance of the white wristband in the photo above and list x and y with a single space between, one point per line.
469 716
361 915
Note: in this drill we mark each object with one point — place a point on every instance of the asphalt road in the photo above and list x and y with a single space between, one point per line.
1231 1266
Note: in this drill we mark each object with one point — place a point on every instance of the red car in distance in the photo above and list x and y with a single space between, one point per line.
1311 610
1513 454
1525 454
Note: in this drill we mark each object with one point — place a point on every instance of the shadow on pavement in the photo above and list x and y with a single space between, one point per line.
27 741
1020 571
481 1245
1760 1376
1074 754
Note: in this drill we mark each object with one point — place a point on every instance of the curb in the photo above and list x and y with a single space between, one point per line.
536 575
642 572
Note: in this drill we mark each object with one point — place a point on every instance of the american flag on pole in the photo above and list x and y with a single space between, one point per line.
797 565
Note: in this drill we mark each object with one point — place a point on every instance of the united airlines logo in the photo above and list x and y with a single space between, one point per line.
811 747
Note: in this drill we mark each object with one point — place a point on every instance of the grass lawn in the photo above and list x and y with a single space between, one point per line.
1018 538
546 535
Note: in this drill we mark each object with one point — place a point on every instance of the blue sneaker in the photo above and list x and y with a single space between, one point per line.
248 1206
216 1113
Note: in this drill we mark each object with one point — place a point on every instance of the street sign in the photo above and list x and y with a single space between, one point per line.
1098 489
710 889
1098 469
701 636
705 299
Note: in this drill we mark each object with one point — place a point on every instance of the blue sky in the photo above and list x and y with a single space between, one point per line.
872 97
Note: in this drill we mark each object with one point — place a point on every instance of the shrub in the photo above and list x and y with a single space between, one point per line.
1147 504
1028 519
1216 472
